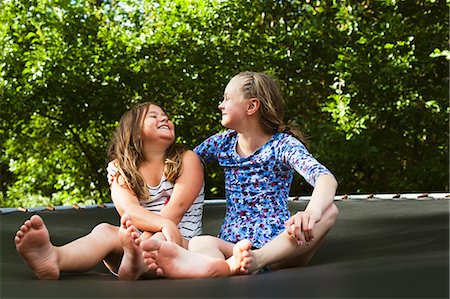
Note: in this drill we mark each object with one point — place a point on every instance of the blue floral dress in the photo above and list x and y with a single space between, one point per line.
257 187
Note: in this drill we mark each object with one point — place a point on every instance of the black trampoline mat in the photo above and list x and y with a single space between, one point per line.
377 249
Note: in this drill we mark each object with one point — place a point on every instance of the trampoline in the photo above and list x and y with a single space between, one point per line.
380 247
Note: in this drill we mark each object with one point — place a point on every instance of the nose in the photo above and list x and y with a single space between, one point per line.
164 118
220 105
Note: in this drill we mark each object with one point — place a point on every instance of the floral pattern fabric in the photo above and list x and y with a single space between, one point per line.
257 187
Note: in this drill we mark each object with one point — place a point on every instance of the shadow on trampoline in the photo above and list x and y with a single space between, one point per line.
377 249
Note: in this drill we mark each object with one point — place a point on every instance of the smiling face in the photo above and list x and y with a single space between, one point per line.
156 124
233 106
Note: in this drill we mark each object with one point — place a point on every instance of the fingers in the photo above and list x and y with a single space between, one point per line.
311 224
288 224
306 228
300 227
110 176
171 235
166 233
112 171
299 235
146 235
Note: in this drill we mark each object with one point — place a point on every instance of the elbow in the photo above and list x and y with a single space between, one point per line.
330 180
130 210
334 182
119 210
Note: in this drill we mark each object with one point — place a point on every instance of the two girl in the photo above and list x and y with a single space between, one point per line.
259 154
159 188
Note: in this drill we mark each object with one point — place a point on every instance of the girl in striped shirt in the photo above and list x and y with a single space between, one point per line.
158 190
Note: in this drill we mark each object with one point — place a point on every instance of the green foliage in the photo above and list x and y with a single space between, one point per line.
367 81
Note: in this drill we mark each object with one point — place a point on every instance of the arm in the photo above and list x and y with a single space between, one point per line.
126 202
322 196
208 150
186 188
301 225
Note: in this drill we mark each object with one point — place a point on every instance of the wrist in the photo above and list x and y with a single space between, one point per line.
316 213
166 223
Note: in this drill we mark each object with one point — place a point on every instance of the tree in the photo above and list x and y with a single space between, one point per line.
368 78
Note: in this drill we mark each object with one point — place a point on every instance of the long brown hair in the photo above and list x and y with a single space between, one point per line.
266 90
126 148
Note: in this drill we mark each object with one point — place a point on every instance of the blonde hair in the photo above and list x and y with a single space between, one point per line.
126 148
267 91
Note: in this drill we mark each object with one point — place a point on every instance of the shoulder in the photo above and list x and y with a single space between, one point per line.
192 170
287 140
189 156
224 136
287 146
219 139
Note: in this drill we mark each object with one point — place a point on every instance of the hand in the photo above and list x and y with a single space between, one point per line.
301 225
146 235
171 232
112 171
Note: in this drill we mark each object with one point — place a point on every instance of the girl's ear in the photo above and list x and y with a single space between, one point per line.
253 106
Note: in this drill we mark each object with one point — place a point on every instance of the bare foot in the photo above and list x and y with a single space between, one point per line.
251 262
150 256
174 261
133 265
241 260
33 244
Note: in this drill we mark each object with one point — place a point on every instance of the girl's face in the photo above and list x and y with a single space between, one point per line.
233 106
156 125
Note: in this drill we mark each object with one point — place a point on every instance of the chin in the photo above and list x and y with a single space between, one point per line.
169 136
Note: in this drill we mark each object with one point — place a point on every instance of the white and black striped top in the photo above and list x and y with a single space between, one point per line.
191 223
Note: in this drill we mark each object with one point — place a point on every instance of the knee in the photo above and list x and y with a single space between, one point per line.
332 212
104 229
199 242
330 215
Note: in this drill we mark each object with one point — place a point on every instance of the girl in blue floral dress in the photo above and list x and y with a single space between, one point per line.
259 154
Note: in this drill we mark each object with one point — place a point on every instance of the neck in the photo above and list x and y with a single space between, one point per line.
154 156
154 153
153 165
250 140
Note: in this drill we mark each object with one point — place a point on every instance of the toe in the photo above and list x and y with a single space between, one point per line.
24 229
159 272
36 222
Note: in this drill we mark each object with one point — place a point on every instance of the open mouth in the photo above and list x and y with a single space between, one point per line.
164 127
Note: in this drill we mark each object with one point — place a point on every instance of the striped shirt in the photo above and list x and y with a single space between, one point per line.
191 223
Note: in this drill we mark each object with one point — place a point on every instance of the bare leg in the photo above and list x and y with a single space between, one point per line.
174 261
133 265
47 261
211 246
85 253
284 252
